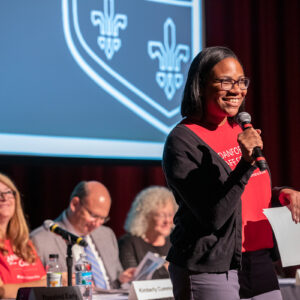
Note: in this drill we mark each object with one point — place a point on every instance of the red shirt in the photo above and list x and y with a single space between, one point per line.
14 269
256 231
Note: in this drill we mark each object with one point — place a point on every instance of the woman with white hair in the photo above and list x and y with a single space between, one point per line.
148 225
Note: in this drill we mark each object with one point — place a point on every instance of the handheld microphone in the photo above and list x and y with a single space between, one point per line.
68 236
244 120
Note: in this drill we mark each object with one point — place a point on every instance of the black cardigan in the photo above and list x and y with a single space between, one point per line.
133 249
208 231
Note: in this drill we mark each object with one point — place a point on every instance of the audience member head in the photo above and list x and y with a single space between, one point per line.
89 206
151 213
193 102
13 225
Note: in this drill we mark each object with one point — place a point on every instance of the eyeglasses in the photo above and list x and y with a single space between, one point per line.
96 217
8 194
161 216
228 83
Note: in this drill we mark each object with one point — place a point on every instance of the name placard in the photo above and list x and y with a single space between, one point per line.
49 293
151 289
298 277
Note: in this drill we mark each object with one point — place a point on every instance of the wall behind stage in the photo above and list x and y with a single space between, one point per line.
266 37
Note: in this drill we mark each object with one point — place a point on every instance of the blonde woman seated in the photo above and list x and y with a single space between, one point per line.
148 225
19 264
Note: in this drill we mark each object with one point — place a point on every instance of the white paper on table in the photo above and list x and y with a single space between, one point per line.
287 234
110 297
98 290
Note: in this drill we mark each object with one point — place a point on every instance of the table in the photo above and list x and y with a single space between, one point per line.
288 289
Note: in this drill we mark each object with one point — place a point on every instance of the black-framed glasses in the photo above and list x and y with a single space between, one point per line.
228 83
8 194
96 217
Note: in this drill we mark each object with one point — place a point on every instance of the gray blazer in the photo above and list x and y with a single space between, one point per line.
103 237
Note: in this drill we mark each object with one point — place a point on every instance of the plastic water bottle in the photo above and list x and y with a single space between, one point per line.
83 275
54 271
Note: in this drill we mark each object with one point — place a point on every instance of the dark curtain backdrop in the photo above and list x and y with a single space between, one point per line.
266 37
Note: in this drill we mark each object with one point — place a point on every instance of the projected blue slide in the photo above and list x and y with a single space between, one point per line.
94 78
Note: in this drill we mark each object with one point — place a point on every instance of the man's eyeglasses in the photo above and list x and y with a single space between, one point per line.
8 194
93 216
228 83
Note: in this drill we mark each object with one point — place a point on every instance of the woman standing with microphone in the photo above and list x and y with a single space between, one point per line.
208 163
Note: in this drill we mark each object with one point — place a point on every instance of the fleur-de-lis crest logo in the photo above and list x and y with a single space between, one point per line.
138 63
170 57
109 25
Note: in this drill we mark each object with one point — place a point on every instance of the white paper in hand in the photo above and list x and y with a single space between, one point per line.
147 266
287 234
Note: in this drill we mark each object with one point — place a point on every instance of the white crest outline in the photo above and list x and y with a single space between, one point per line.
141 112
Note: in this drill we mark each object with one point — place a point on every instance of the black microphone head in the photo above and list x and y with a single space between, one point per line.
48 223
243 118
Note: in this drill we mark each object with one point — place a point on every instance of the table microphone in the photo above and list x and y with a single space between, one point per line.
68 236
